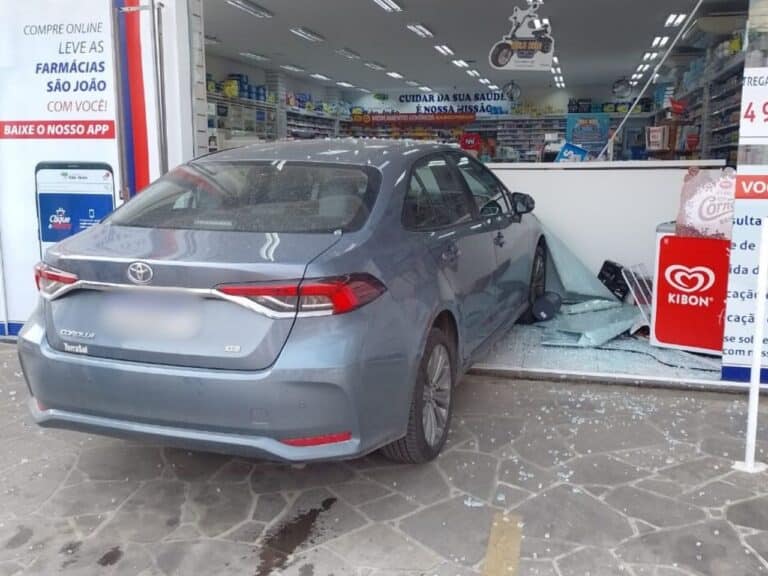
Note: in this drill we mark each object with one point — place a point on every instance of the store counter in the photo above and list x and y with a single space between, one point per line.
604 210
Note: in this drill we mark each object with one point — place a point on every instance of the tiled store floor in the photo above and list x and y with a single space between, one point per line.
568 480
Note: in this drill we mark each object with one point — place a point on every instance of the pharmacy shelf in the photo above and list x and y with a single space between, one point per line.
310 123
242 118
728 108
731 67
712 76
724 146
727 92
734 126
242 102
713 99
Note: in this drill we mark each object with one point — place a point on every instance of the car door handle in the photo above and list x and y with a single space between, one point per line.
499 239
451 254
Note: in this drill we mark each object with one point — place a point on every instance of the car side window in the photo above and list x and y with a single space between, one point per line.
482 184
435 198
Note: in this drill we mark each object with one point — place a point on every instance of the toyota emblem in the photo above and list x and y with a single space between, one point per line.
140 273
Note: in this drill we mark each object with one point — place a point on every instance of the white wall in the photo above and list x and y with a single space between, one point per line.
178 81
602 213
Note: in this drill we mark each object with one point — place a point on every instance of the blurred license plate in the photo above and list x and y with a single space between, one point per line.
152 317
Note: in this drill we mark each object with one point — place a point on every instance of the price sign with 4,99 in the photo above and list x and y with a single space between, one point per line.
754 107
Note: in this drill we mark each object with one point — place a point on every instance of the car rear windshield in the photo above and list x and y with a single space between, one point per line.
255 197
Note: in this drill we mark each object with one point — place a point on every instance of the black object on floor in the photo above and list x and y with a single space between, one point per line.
610 275
546 306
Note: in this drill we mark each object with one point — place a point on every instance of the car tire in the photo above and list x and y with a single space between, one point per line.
538 283
431 406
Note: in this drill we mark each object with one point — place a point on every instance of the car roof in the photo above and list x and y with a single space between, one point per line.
357 151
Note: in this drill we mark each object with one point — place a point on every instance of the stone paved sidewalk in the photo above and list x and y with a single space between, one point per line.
597 480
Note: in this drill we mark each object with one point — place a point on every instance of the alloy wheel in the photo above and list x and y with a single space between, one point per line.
539 276
437 395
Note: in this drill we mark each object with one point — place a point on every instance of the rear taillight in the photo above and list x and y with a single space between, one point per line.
50 280
312 297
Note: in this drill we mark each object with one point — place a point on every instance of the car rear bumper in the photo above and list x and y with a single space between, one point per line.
247 413
203 440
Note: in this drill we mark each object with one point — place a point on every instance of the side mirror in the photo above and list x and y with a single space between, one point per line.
522 203
490 209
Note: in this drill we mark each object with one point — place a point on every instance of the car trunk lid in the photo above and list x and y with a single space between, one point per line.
149 295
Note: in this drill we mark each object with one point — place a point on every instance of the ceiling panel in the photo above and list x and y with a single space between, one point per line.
597 41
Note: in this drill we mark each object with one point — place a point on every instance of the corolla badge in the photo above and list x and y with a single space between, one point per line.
140 273
68 333
689 280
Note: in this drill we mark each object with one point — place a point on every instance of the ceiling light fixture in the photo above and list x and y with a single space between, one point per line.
654 55
420 30
348 54
375 66
559 70
473 73
664 41
250 8
644 67
319 77
444 50
252 56
646 56
656 42
394 75
389 5
485 81
553 71
674 20
639 67
493 87
291 68
461 63
345 84
412 83
425 88
555 59
537 23
559 78
308 35
364 90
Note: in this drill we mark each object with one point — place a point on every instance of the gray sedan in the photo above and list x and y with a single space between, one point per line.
296 301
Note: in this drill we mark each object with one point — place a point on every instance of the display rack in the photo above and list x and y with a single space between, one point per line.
521 137
714 105
310 124
412 131
238 119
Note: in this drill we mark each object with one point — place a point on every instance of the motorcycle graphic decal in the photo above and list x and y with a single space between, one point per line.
529 44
